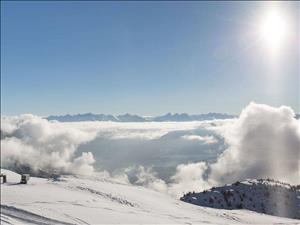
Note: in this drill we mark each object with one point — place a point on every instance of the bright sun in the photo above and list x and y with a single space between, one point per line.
273 30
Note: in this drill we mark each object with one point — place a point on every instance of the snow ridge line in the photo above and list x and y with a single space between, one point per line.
108 196
29 217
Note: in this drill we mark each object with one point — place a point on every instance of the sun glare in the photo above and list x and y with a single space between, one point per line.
273 30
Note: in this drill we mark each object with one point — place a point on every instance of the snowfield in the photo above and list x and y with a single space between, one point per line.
73 200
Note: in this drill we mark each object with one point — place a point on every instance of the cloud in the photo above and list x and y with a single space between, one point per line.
163 153
148 178
83 165
188 177
32 144
170 157
38 146
204 139
263 142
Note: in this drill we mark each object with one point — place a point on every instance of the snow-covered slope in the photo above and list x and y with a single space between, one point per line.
71 200
264 196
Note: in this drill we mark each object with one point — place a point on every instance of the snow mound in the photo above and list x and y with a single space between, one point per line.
11 176
261 195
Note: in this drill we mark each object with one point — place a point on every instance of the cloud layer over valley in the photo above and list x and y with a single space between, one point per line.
171 157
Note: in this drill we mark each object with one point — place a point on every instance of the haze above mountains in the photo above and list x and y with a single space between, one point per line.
176 117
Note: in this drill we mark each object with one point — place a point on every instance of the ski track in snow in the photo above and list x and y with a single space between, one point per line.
26 217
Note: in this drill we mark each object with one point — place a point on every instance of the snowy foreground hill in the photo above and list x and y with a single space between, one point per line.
71 200
264 196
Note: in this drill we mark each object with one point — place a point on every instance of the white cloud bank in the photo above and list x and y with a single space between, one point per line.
186 178
30 142
204 139
263 142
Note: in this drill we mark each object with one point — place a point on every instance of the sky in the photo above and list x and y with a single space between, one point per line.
146 58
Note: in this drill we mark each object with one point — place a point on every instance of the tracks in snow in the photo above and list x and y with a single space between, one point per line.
108 196
27 217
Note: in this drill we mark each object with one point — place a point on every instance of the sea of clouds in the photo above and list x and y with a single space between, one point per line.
171 157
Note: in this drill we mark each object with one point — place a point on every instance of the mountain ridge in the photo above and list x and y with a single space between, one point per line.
266 196
175 117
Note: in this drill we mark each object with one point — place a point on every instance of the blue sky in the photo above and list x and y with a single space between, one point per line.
146 58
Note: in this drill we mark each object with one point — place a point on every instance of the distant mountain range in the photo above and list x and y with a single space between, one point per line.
176 117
